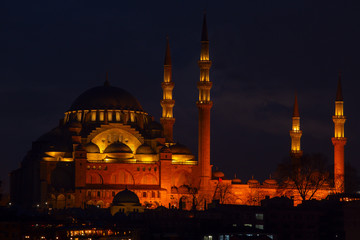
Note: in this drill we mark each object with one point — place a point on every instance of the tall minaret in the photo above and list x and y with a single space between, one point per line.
204 105
295 132
339 141
167 103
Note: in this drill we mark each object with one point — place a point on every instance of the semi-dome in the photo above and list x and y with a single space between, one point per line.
117 147
106 97
144 149
180 149
91 147
124 197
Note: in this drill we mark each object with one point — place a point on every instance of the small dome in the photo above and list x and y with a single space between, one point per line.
91 147
218 174
118 147
270 182
106 97
180 149
126 196
144 149
253 181
236 181
289 182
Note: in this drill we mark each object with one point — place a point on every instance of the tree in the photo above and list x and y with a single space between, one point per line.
223 193
306 174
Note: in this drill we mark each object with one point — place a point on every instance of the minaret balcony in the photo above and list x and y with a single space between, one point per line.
167 85
203 85
204 64
167 103
339 119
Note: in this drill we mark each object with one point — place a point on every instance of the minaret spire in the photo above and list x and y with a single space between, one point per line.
296 107
339 140
339 96
204 33
106 83
204 105
167 103
295 132
167 60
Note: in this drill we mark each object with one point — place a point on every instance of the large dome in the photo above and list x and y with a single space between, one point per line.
106 97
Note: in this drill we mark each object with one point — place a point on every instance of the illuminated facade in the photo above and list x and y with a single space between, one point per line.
107 143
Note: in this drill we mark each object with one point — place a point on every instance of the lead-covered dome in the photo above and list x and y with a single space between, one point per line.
57 140
180 149
144 149
106 97
124 197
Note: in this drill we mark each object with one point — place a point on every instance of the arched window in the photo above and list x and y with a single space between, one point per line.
94 179
149 179
122 177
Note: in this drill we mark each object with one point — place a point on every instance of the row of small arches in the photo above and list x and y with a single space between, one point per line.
121 177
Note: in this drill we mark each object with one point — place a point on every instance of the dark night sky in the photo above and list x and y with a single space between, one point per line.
262 52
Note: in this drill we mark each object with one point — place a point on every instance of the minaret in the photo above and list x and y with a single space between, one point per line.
204 105
295 132
167 103
339 141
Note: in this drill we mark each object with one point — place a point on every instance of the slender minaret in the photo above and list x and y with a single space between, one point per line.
295 132
167 103
339 141
204 105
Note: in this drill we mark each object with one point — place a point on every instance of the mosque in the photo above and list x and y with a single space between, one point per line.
107 144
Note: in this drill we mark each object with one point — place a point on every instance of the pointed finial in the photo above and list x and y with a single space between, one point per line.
339 96
106 83
296 107
204 34
167 60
